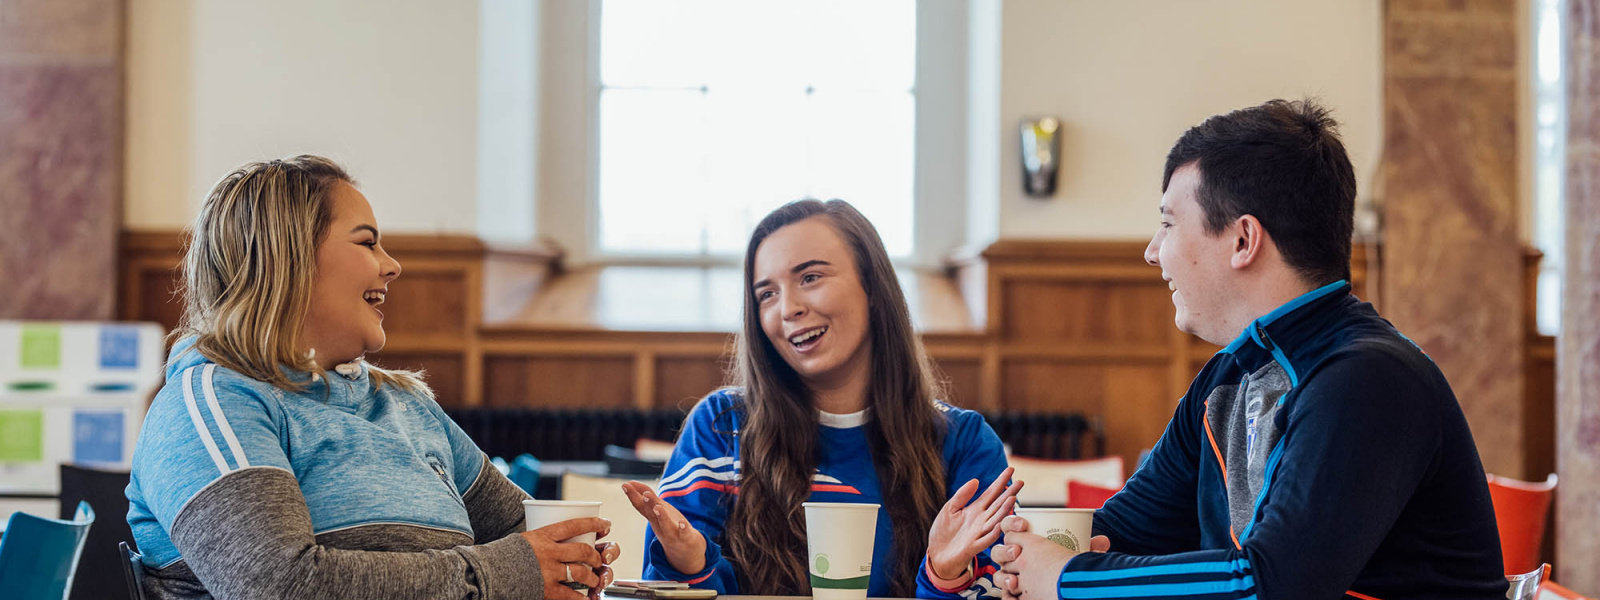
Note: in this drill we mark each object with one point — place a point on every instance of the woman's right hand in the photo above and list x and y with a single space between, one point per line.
573 562
685 546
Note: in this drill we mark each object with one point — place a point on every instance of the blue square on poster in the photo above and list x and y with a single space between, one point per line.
97 436
119 347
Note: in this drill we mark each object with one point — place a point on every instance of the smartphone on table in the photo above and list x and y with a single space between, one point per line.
657 590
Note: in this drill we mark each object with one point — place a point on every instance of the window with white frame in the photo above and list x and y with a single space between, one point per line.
1549 161
714 112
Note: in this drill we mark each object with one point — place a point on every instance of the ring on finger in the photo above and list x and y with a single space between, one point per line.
568 568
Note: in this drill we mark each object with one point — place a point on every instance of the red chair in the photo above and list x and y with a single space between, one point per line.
1086 495
1520 510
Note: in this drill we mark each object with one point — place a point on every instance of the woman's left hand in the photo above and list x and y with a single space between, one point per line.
963 530
609 551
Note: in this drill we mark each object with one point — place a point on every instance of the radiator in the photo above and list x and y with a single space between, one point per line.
567 434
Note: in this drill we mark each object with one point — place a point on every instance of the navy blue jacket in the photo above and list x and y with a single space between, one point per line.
1318 455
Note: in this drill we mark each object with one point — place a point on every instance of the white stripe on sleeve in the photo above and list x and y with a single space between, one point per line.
200 423
222 420
696 476
705 462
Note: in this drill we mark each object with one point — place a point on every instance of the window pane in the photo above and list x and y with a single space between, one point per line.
1550 160
653 43
757 45
862 152
863 45
729 108
740 43
652 163
757 162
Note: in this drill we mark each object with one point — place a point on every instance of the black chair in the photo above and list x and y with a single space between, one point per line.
132 571
623 462
105 491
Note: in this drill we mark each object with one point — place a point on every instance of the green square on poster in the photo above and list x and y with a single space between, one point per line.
41 347
21 436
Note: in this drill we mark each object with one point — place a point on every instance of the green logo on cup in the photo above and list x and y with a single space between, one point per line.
822 564
1065 539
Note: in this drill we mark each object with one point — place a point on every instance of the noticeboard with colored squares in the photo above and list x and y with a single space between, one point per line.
72 392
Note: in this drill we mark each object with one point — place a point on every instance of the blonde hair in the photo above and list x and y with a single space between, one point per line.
249 268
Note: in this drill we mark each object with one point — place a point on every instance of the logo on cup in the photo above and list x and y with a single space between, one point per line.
822 564
1063 538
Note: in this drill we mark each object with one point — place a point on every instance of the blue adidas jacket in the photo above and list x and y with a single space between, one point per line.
703 474
1321 454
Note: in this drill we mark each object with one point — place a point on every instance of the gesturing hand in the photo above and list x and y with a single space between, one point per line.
963 530
685 546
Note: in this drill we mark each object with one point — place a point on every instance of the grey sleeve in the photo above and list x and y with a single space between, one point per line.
495 505
249 535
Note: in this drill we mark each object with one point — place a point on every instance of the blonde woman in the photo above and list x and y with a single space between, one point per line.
276 464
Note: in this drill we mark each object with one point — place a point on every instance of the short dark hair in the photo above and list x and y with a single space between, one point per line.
1283 163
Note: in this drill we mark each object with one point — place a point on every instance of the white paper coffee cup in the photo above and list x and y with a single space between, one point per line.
839 540
541 513
1071 528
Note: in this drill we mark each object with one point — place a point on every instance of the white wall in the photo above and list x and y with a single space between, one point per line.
1127 77
387 88
984 43
508 120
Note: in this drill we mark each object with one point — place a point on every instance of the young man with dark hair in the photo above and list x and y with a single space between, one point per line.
1320 454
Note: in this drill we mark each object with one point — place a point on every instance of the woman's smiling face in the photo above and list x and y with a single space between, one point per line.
813 307
352 279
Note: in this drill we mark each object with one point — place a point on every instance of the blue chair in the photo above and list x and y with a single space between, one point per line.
38 556
525 473
132 571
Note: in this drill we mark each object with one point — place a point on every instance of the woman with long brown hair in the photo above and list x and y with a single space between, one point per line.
833 400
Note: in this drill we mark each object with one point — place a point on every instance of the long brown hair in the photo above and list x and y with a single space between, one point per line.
765 534
249 267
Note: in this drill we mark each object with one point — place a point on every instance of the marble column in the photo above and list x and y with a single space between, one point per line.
1452 277
1578 345
61 103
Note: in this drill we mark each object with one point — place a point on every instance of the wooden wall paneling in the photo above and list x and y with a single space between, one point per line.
644 380
1539 384
1052 385
1539 414
1181 369
959 363
151 292
505 380
148 275
429 300
1066 327
989 378
681 381
559 380
1131 402
445 372
1138 405
962 377
1067 311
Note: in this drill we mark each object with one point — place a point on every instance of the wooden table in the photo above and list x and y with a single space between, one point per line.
610 597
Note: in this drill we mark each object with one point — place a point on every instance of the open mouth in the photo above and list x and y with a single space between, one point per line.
374 298
808 338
